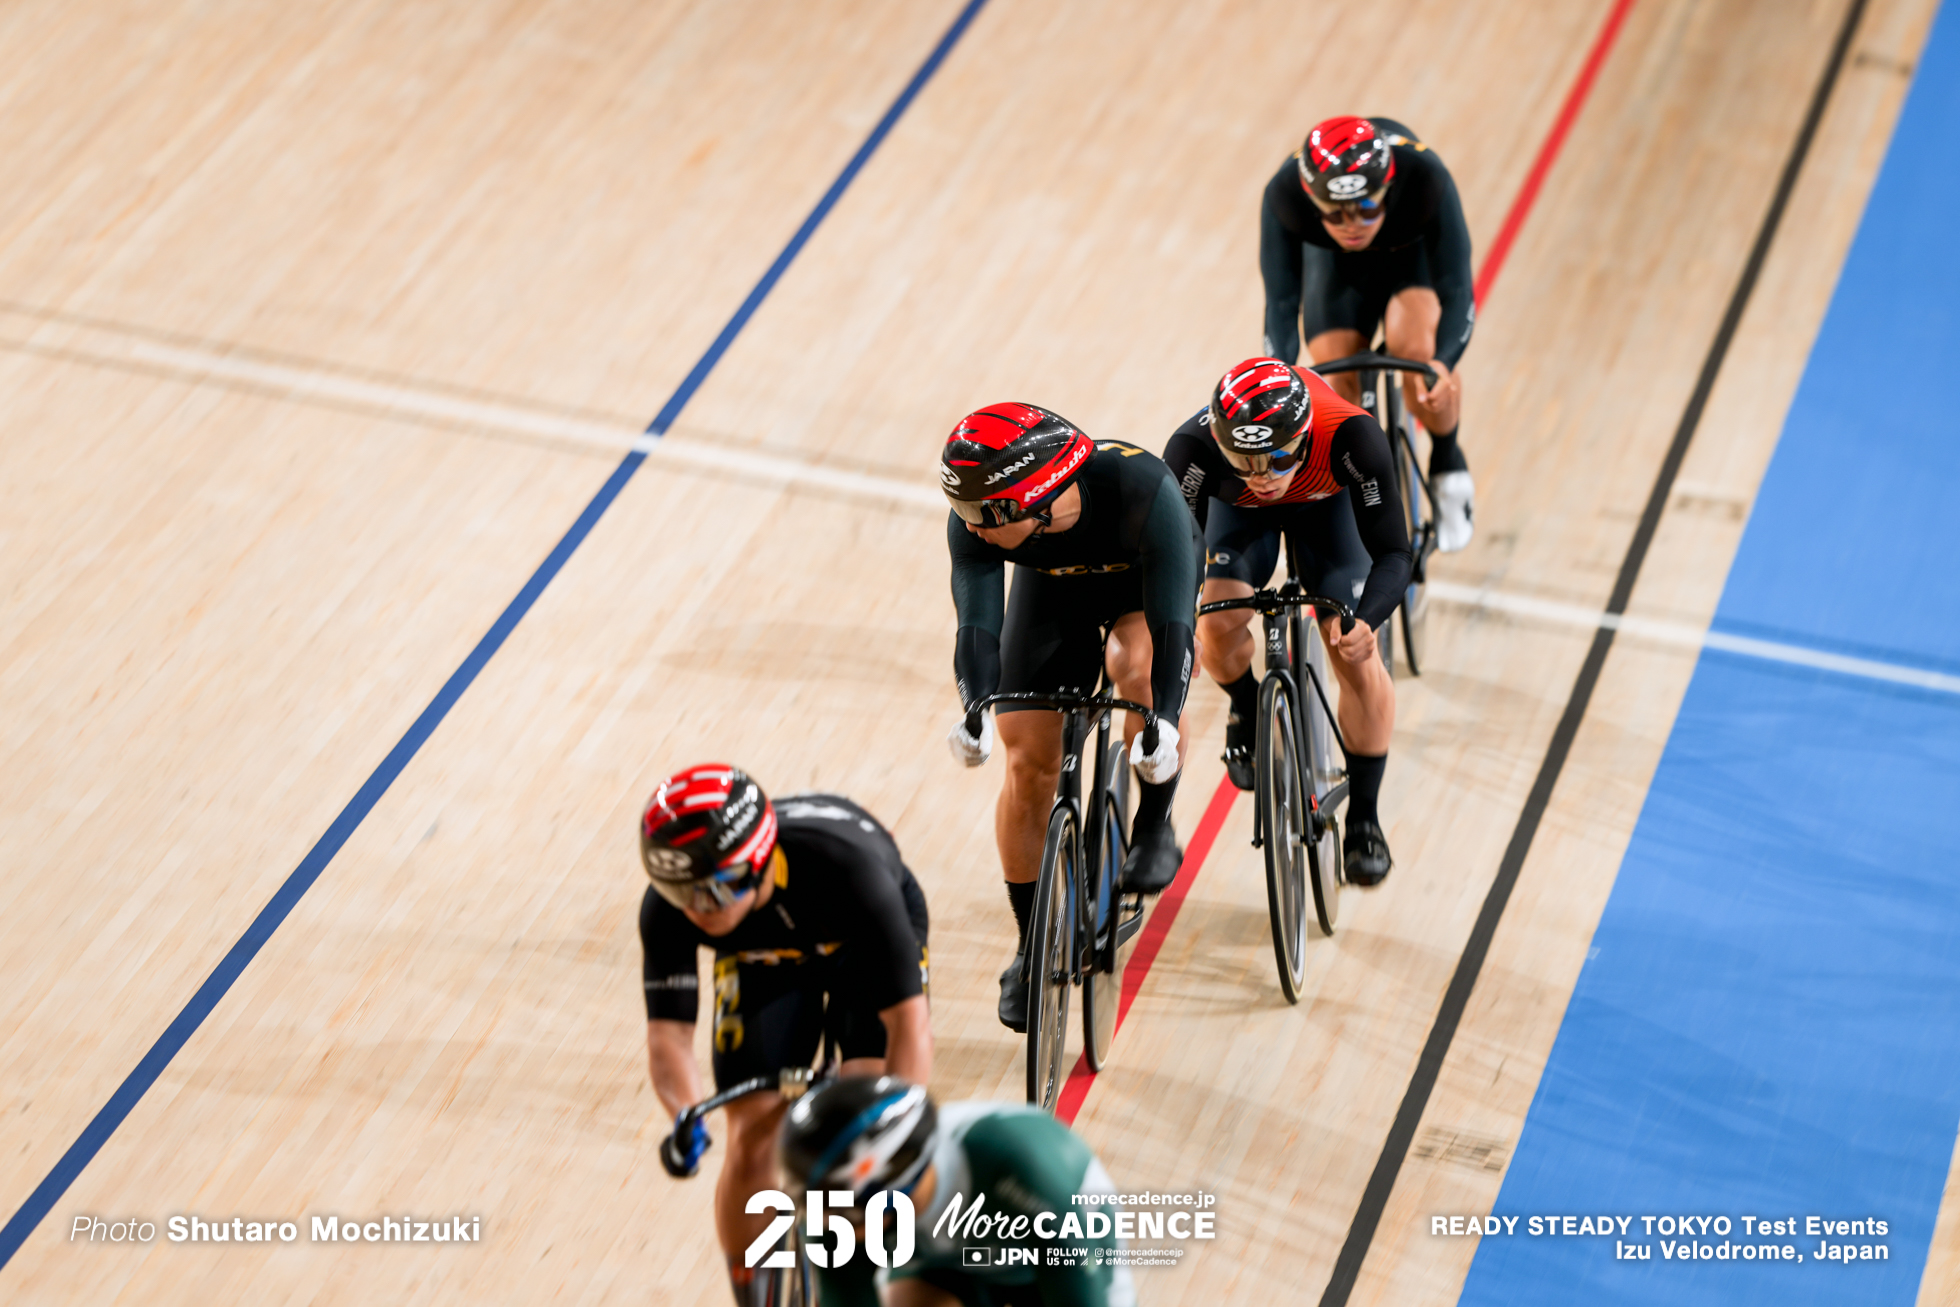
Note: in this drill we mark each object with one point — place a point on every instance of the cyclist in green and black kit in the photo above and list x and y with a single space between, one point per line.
866 1135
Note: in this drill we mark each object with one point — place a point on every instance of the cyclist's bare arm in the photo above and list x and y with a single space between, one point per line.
670 1062
908 1040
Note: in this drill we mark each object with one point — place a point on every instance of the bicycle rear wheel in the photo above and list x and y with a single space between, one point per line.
1415 510
1323 772
1050 937
1283 816
1102 973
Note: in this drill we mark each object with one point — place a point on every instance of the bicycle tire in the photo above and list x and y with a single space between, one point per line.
1283 815
1102 974
1324 851
1050 940
1414 616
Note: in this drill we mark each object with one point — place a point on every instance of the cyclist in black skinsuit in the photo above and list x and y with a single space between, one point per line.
1100 538
818 929
1278 451
1362 226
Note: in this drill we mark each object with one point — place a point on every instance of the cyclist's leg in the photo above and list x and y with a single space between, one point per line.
765 1020
1048 641
1154 857
1413 315
1336 562
1241 549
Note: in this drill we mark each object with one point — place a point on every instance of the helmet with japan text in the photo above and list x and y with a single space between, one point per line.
1260 413
858 1133
1004 462
706 836
1347 164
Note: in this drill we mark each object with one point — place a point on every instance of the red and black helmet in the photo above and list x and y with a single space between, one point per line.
1346 163
1259 417
1004 461
706 836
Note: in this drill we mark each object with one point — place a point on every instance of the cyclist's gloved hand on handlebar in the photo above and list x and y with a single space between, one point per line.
680 1152
972 749
1158 767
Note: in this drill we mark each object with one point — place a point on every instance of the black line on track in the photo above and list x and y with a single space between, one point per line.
1429 1066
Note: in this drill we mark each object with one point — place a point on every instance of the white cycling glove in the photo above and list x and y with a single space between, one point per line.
972 749
1158 767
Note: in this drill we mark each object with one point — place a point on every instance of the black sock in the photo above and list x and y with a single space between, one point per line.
1445 455
1021 895
1364 786
1153 806
1244 694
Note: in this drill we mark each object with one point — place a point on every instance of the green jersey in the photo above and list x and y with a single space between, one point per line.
1008 1223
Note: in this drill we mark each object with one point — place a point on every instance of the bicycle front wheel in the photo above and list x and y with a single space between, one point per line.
1283 814
1050 965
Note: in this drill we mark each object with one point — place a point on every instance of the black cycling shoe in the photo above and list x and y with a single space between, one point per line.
1364 851
1014 995
1153 862
1239 737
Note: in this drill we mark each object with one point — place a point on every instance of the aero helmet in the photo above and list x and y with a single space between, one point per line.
1347 164
706 836
860 1134
1003 462
1259 417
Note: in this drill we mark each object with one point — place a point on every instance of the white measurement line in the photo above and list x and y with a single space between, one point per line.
304 383
1677 633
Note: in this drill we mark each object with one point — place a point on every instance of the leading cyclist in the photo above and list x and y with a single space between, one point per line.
1363 226
1279 451
865 1135
1101 541
818 931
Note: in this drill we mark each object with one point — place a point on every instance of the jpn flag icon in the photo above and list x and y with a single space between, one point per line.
976 1256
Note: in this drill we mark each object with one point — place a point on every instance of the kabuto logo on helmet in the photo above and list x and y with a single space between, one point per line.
948 478
1348 187
1249 436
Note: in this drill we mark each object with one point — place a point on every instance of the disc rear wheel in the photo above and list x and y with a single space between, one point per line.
1102 974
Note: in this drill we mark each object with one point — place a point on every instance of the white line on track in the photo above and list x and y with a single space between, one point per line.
304 383
1676 633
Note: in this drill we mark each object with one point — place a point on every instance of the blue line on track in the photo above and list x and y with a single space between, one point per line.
1769 1023
275 912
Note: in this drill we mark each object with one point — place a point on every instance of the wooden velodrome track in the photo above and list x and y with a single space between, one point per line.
320 325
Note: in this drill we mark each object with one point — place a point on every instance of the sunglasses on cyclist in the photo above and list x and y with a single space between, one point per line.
1367 209
1278 463
711 895
993 512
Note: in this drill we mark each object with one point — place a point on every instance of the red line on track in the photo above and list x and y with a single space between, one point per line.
1568 113
1076 1090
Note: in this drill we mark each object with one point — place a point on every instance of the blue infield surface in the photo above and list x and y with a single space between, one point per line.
1769 1025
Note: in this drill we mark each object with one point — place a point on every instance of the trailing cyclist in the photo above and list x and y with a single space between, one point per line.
1363 226
1013 1161
1278 451
819 934
1101 541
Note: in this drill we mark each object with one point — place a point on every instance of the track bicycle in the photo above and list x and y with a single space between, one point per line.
1382 397
1084 925
1298 781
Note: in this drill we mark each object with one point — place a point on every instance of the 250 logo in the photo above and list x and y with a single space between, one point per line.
885 1200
